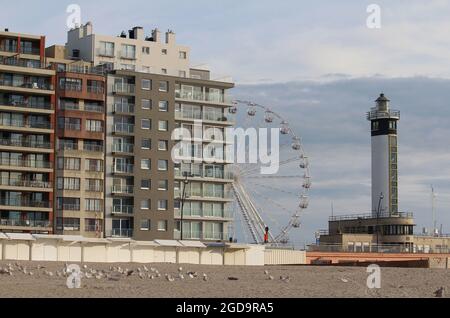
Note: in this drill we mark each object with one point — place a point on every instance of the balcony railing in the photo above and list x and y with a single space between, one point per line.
122 88
216 174
25 223
95 89
24 104
124 108
123 168
71 87
69 207
225 214
377 114
93 148
202 97
68 146
128 189
76 127
123 128
69 106
24 203
122 209
31 85
25 143
25 163
14 182
30 50
24 124
94 108
122 232
407 215
92 228
8 48
123 148
195 235
10 61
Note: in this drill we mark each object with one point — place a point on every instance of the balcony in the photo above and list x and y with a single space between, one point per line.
195 235
28 85
202 97
69 106
24 124
406 215
68 146
125 233
215 174
123 108
25 143
375 114
24 104
25 203
123 148
96 90
25 183
70 87
12 61
69 207
204 214
30 50
67 126
123 168
25 223
122 88
93 148
120 189
122 209
123 128
94 108
8 48
25 163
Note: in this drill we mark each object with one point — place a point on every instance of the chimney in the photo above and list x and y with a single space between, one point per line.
156 35
170 37
87 29
137 33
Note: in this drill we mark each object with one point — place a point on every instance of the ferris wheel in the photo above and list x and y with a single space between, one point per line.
268 207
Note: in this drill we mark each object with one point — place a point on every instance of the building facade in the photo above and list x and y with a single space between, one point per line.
27 118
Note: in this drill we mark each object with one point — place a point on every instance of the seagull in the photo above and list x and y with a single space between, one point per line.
266 272
151 276
180 269
141 275
129 272
285 279
145 268
344 280
233 278
205 277
270 277
85 266
169 278
440 292
181 276
152 269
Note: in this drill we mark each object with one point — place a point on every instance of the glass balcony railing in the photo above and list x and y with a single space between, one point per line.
202 97
123 108
30 85
69 207
123 88
122 233
8 48
123 189
94 108
123 168
225 214
30 50
12 61
24 203
25 143
93 148
69 106
25 223
123 148
215 174
24 104
123 128
122 209
68 146
95 90
14 182
70 127
25 163
198 235
70 87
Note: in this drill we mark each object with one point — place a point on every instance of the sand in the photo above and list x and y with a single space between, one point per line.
305 281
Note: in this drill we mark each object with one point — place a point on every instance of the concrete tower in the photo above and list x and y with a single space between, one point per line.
384 158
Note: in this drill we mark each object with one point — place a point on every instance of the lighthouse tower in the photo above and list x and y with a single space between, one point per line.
384 158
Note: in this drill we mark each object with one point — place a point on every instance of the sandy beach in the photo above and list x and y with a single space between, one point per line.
252 282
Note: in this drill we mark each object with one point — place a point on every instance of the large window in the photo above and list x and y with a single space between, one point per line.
69 123
68 163
70 84
93 205
94 165
128 51
94 125
162 226
68 204
106 49
94 185
68 183
163 185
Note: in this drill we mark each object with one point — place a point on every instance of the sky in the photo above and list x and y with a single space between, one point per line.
318 64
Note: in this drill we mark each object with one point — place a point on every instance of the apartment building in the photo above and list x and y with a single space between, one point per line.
27 117
80 135
131 51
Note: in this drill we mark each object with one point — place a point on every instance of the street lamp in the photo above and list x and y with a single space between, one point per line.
183 198
378 217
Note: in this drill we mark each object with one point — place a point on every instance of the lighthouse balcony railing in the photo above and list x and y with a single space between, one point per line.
383 215
377 114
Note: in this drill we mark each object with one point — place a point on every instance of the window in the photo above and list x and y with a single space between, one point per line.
70 84
375 125
68 163
162 205
163 106
164 71
163 145
163 165
146 144
94 125
68 204
146 184
68 184
146 84
145 225
106 49
182 73
177 204
183 55
145 205
163 185
146 50
146 124
145 164
146 104
163 86
128 67
94 165
94 185
68 123
128 52
162 226
163 125
164 51
93 205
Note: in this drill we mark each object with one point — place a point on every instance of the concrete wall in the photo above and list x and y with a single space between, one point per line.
284 257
